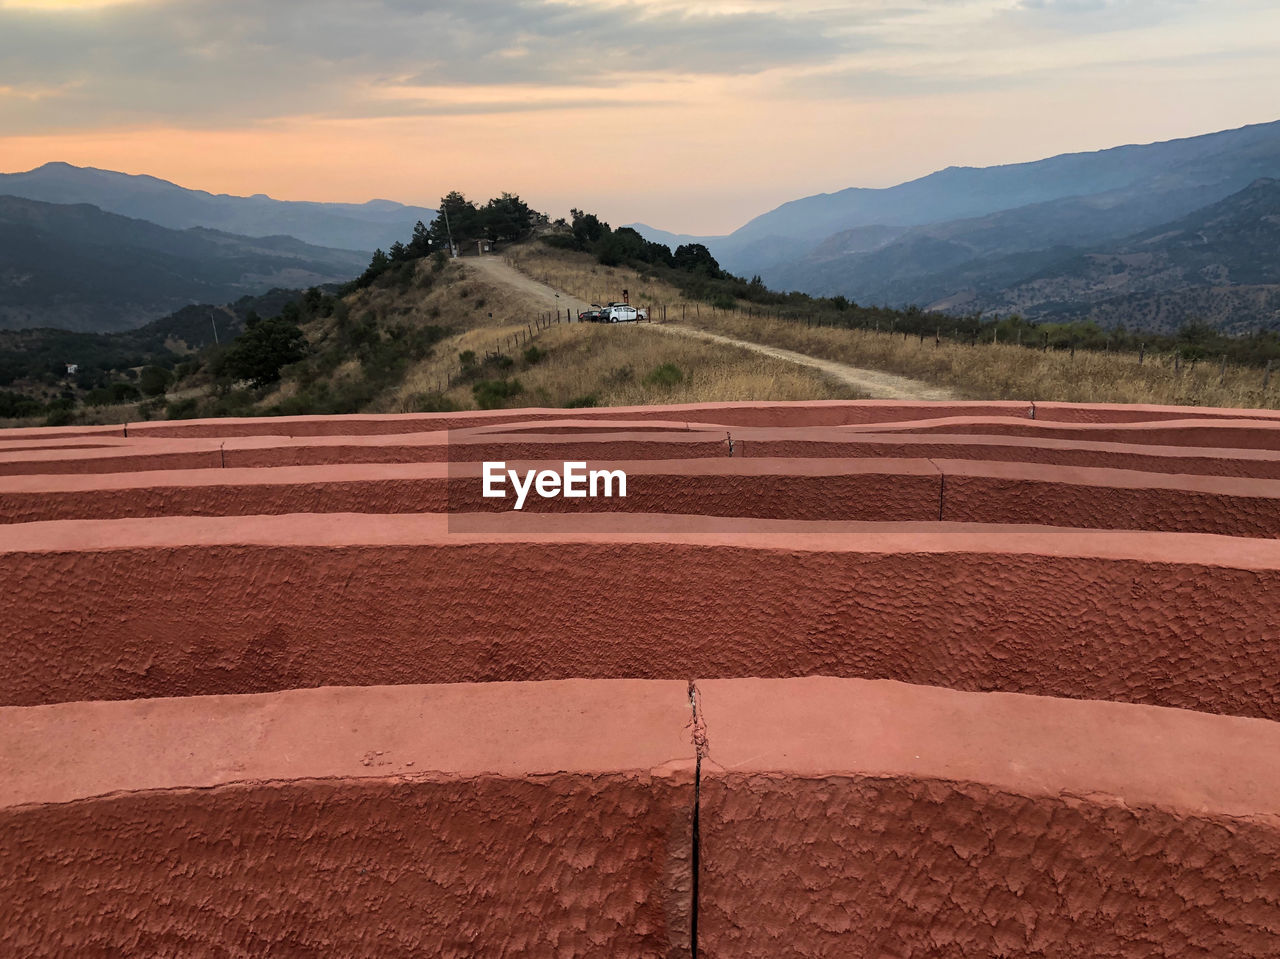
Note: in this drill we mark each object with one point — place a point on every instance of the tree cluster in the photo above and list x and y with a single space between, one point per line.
589 234
261 351
504 219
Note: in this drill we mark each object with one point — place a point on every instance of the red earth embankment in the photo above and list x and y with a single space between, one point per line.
532 819
558 818
841 817
190 606
870 490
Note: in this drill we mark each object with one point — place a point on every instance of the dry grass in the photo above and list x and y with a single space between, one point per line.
1008 372
580 275
607 363
452 298
985 371
613 365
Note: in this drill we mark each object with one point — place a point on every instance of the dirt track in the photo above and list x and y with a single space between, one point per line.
874 384
499 271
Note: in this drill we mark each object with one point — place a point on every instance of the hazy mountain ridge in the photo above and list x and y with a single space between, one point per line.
77 267
956 238
345 226
1220 264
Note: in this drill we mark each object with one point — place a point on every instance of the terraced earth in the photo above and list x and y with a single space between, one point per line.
869 678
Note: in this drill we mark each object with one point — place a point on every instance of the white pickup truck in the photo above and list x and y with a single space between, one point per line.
622 313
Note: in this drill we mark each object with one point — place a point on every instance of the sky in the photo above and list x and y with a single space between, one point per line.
690 117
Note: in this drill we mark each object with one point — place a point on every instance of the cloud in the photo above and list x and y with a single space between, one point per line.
201 62
1102 15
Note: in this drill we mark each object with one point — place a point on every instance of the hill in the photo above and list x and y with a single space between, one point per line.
1217 265
938 239
79 268
345 226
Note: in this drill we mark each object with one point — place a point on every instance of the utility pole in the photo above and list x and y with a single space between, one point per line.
453 251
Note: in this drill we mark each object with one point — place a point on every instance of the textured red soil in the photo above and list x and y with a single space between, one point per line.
835 817
1108 499
1260 464
544 819
1199 432
839 814
878 490
192 606
841 817
874 490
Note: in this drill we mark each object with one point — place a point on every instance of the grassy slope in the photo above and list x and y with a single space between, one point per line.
607 365
985 371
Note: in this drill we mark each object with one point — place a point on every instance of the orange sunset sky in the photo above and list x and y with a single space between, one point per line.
689 117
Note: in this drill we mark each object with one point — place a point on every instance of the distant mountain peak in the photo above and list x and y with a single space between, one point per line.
344 226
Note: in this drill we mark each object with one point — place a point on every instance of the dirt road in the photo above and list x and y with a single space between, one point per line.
497 270
875 384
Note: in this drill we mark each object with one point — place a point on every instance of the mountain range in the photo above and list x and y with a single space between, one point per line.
995 238
76 267
346 226
1150 235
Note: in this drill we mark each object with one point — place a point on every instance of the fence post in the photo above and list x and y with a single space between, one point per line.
1266 377
1142 352
1222 371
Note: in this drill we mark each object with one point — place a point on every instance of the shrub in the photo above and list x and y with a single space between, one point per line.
582 402
493 394
148 409
124 392
14 405
534 355
154 380
432 403
668 375
182 409
99 397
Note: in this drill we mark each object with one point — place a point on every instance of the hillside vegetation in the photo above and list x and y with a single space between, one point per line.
421 331
1186 371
